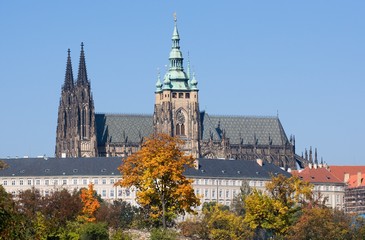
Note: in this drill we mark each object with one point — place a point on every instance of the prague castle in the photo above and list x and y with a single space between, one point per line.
83 133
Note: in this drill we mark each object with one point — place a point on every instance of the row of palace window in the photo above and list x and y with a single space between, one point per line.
228 182
215 193
328 188
74 181
104 193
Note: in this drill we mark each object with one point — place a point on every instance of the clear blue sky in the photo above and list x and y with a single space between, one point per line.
302 59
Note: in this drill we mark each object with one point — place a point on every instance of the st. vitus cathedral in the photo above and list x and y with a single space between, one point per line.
82 133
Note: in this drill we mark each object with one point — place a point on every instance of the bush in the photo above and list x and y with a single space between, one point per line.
163 234
194 229
120 235
94 231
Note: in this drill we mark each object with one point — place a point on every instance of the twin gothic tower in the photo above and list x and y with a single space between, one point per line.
76 136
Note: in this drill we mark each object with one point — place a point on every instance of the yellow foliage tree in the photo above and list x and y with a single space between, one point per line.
157 172
90 204
275 210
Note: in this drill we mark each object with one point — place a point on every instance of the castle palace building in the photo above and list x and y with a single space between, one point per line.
82 133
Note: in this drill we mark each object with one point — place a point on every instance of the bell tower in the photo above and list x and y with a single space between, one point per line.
176 111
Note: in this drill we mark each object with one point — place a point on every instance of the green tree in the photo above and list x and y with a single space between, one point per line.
94 231
13 225
275 212
224 224
157 172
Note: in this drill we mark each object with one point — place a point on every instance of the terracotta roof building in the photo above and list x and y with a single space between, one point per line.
327 186
353 177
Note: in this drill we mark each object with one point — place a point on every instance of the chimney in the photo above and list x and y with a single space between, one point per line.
359 179
259 162
346 177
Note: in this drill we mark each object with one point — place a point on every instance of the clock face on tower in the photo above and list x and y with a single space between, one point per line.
180 117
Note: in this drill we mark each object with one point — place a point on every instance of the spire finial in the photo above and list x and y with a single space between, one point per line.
69 79
175 17
82 74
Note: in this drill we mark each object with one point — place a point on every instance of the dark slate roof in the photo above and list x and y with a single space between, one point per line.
61 166
220 168
131 128
246 128
118 128
101 166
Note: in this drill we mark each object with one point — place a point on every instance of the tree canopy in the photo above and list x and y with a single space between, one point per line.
157 172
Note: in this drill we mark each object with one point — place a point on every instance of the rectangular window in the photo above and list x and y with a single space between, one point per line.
206 193
174 95
213 193
84 181
187 95
29 182
111 193
220 193
55 182
103 193
46 182
120 192
37 182
227 194
13 182
112 181
181 95
96 181
104 181
74 181
64 181
5 182
127 192
206 181
21 182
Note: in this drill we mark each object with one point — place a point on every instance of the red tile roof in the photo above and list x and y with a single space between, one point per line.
317 175
339 171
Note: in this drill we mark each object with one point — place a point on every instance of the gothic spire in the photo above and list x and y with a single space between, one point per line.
176 59
82 75
69 78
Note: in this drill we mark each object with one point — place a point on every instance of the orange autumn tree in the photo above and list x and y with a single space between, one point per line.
90 204
157 172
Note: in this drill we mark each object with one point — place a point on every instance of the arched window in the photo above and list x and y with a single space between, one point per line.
180 124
